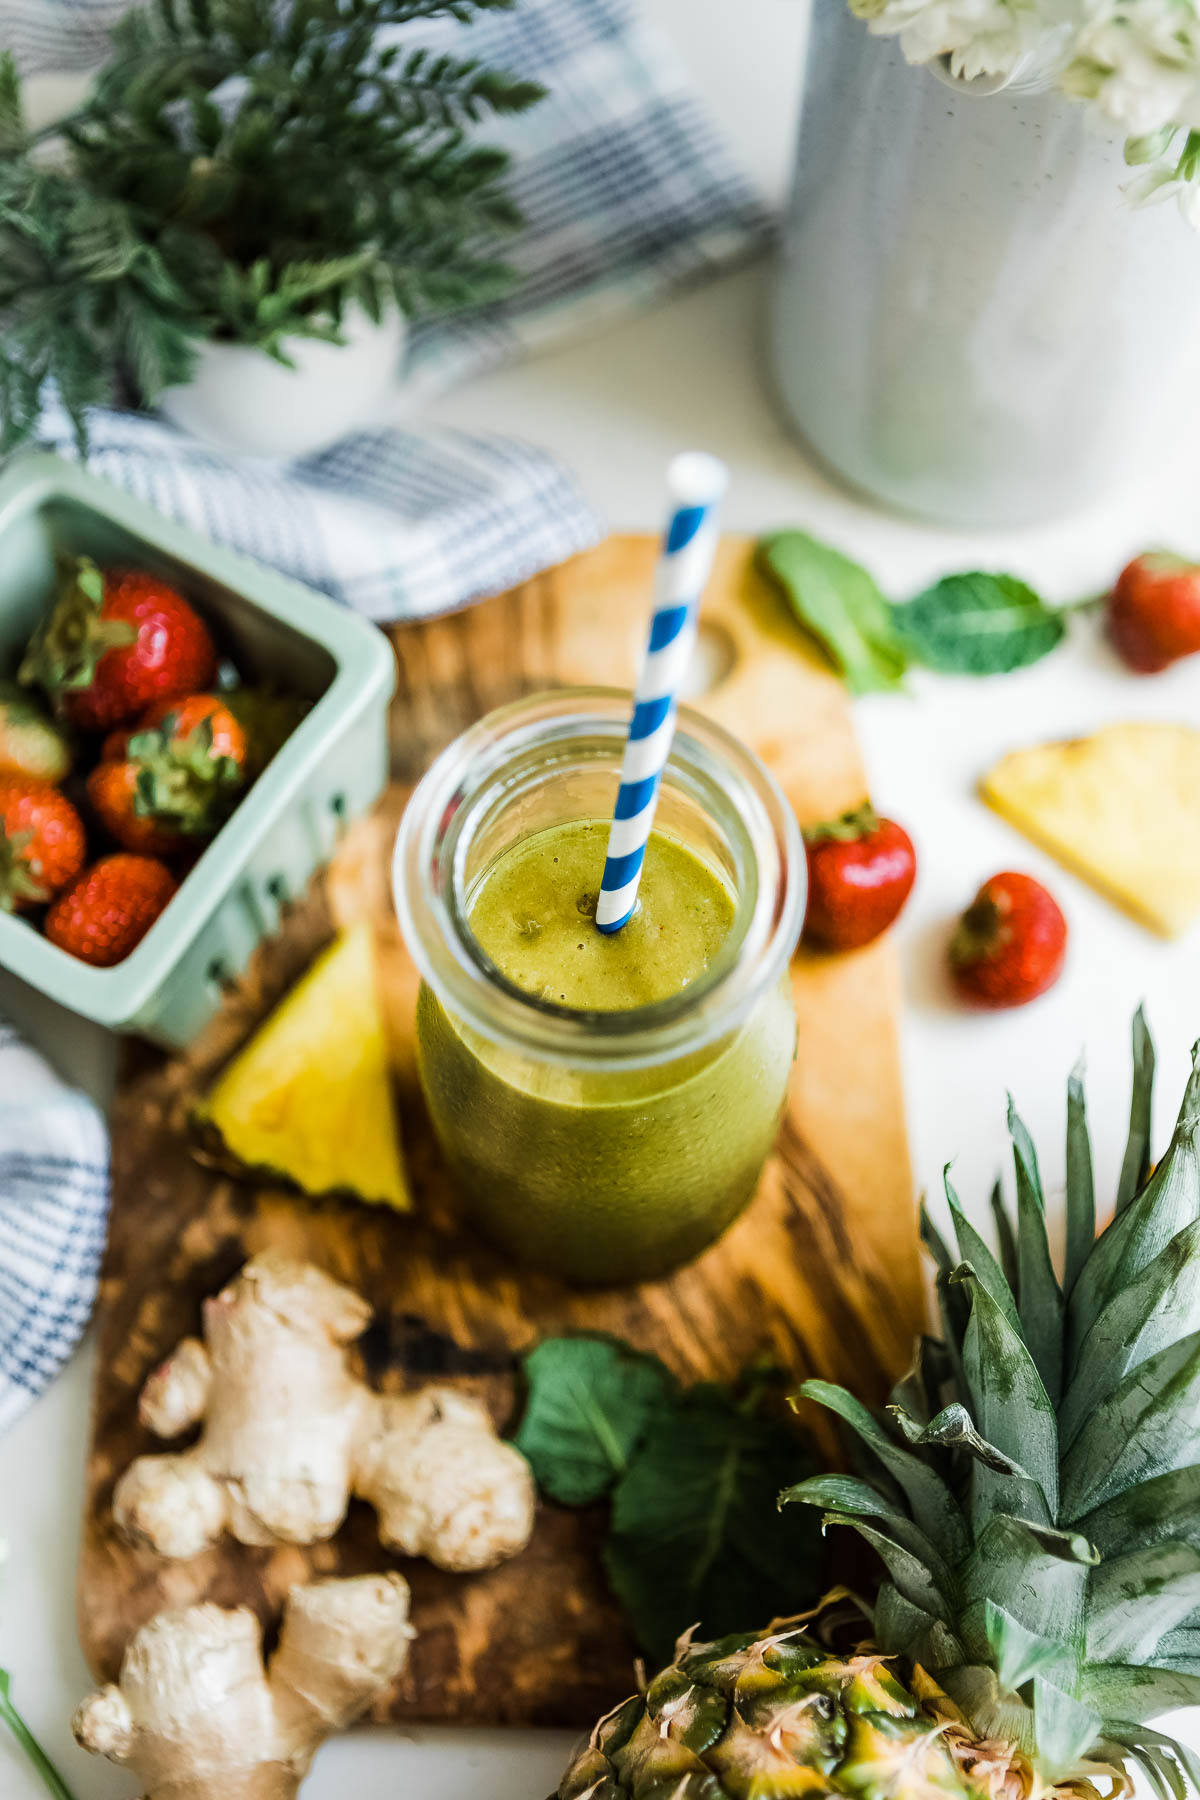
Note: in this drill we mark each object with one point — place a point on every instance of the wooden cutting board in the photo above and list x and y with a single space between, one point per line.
820 1273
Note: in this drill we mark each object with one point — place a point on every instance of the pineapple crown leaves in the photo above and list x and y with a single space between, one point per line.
245 171
1033 1490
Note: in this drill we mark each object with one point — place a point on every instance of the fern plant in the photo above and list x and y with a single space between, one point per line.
243 171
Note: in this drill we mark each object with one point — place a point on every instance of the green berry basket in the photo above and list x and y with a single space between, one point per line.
332 766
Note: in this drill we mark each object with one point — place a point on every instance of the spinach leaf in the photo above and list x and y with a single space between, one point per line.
697 1534
840 605
589 1400
978 624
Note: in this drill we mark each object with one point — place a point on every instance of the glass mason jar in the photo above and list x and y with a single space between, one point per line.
968 318
604 1146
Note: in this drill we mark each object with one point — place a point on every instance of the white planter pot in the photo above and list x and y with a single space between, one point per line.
241 399
969 320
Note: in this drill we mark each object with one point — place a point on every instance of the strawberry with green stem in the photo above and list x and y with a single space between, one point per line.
861 869
42 842
173 779
115 644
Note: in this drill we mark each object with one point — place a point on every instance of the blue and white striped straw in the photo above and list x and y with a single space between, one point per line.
696 484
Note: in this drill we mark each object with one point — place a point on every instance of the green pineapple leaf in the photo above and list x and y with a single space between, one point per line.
1136 1164
1006 1239
973 1250
1160 1305
1035 1572
1166 1506
900 1628
1128 1692
590 1400
844 1499
1174 1761
1081 1193
1169 1201
1148 1425
1136 1599
954 1429
1012 1410
1040 1304
12 112
1066 1730
910 1576
933 1505
1020 1654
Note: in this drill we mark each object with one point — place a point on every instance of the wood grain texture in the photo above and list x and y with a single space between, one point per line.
820 1272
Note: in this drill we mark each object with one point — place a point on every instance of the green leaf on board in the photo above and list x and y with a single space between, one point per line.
697 1537
588 1406
978 624
839 603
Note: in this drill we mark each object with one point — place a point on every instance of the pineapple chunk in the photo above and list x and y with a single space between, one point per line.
309 1097
1121 807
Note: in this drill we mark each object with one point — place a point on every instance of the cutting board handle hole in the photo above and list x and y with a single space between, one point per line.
713 660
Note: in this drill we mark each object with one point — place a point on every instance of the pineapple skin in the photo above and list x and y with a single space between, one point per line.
771 1718
1033 1491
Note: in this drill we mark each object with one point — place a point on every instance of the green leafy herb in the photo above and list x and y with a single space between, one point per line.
29 1744
697 1534
245 171
977 624
589 1400
694 1475
840 604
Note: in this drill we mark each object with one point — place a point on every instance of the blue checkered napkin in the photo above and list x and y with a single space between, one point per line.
396 524
626 190
53 1211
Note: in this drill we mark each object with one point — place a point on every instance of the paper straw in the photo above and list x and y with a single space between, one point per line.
696 484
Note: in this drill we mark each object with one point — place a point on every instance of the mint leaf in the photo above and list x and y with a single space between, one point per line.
978 624
589 1400
840 604
698 1537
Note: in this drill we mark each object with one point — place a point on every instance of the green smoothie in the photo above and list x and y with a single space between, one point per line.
604 1174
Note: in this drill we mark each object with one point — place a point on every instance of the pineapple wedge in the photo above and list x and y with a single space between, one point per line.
309 1098
1121 807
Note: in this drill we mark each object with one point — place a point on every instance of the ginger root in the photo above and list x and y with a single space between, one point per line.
290 1434
195 1714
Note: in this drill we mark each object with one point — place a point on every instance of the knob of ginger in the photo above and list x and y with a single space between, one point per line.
290 1433
195 1712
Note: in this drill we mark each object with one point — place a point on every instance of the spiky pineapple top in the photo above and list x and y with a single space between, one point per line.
1034 1494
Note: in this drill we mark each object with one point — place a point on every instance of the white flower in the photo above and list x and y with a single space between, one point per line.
1140 60
1135 63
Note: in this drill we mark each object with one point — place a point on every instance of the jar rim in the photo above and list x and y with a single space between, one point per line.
428 864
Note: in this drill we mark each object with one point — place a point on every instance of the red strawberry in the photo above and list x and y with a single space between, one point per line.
30 743
112 788
860 872
173 777
1010 944
42 842
116 643
108 909
1154 611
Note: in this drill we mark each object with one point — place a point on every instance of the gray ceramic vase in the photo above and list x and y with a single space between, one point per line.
969 320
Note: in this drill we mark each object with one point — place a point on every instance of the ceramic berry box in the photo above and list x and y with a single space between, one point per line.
331 767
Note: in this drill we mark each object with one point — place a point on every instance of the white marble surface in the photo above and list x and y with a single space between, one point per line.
617 406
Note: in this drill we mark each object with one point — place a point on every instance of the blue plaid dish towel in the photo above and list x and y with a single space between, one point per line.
53 1213
627 192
